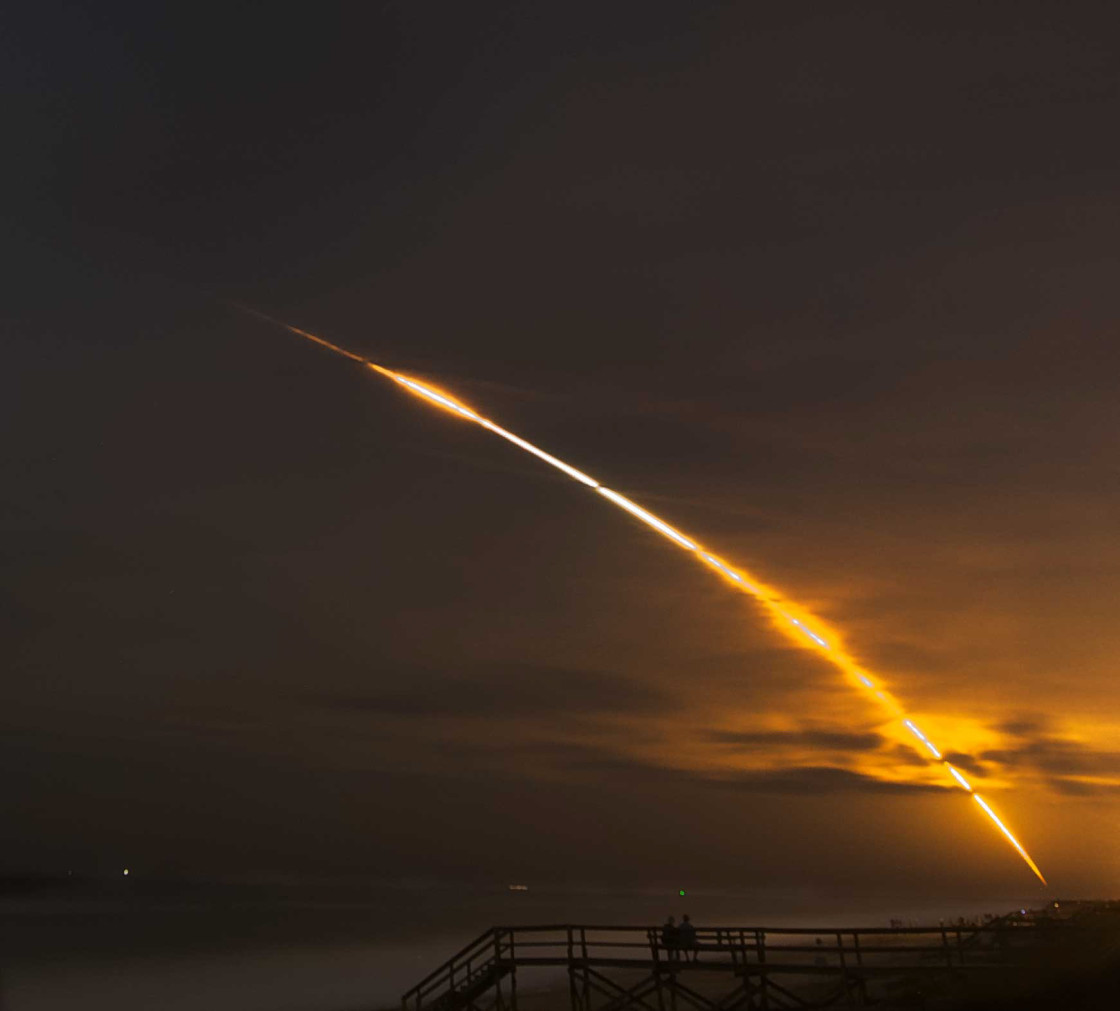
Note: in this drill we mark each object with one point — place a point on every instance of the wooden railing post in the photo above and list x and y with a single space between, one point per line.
573 994
845 982
723 939
859 963
500 1003
763 979
655 957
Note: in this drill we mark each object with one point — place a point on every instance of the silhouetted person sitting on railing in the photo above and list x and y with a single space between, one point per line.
671 938
686 937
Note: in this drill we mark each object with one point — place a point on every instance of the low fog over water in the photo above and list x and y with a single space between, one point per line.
128 946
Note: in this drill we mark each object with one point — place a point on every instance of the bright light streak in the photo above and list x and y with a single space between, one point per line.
438 398
922 737
812 635
328 344
425 391
965 784
731 573
579 475
648 518
768 598
1010 838
722 568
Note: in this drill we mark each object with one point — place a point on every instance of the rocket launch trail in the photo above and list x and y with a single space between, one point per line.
792 620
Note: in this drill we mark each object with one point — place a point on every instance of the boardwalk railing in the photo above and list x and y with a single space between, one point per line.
750 959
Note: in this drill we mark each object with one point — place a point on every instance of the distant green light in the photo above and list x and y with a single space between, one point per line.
681 892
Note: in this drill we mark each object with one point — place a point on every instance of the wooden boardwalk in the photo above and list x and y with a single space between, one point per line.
628 968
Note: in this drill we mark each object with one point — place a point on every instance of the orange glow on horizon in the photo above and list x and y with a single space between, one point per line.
794 622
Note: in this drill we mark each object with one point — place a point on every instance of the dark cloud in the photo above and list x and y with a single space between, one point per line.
1070 767
827 740
808 779
823 779
1024 726
1057 756
1082 787
964 761
906 755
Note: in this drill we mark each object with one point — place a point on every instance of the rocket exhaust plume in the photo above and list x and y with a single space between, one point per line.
792 620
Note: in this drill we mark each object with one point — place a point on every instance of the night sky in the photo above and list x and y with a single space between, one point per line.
833 288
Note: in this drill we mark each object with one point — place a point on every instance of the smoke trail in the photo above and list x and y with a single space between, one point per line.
795 622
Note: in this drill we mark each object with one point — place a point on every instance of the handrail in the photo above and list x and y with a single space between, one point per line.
934 928
501 949
478 943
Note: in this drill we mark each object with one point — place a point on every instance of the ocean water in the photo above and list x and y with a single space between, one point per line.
132 945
